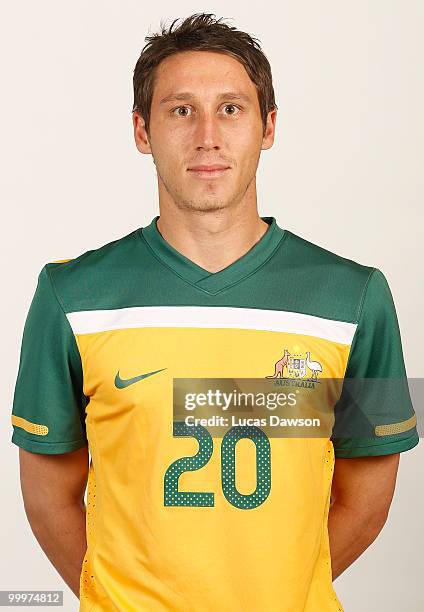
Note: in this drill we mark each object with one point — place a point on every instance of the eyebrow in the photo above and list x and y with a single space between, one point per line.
186 95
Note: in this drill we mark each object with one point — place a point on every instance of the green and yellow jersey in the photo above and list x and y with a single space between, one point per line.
177 519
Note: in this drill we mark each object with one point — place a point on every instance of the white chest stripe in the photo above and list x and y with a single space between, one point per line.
93 321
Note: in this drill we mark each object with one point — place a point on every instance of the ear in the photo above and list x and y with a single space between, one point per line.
141 136
268 138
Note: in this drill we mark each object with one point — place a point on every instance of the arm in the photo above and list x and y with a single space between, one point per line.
53 493
361 495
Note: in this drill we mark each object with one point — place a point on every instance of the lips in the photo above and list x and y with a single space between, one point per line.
211 168
211 171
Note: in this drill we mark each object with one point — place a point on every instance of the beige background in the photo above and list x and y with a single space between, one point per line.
345 172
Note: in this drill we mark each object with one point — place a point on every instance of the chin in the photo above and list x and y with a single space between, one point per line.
203 205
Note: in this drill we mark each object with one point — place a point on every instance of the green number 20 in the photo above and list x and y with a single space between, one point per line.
174 497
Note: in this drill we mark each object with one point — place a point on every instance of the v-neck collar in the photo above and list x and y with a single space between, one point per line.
213 282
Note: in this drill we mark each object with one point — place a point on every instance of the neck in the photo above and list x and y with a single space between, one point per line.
212 239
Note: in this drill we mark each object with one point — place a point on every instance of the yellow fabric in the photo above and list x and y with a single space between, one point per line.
34 428
143 555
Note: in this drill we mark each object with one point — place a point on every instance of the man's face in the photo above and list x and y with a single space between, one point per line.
205 112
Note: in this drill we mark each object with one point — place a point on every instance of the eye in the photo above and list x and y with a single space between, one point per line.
178 108
232 106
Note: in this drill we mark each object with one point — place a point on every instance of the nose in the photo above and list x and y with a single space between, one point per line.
207 134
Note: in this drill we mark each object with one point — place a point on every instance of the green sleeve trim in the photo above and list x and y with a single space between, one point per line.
374 450
47 448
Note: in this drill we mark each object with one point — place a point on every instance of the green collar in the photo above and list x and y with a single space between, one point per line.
213 282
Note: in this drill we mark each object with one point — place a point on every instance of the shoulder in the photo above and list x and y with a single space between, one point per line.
79 280
314 255
333 283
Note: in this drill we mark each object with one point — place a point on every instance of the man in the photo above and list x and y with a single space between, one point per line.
177 519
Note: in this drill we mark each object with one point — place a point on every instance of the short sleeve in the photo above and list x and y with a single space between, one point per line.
48 413
375 415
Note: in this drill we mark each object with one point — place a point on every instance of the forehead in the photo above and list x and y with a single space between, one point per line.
201 72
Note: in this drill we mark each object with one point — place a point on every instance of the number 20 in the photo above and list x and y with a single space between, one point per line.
174 497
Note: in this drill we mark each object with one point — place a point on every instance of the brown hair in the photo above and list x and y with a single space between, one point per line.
201 32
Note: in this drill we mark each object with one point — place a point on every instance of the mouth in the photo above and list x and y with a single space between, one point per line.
208 171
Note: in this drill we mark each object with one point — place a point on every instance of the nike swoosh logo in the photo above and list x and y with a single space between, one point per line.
121 383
